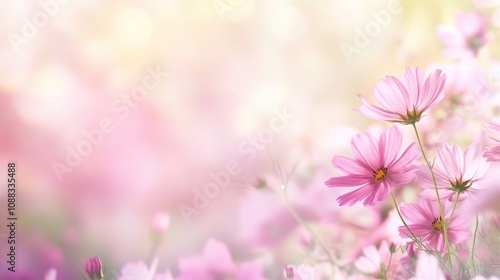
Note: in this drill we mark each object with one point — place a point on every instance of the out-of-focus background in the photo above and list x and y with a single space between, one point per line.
115 111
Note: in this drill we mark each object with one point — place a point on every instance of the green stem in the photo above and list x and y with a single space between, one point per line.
474 246
406 225
388 266
445 227
454 207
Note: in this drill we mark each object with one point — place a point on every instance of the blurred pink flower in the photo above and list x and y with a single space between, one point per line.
409 258
266 220
216 263
375 261
487 200
51 274
456 172
428 268
377 167
140 271
164 276
289 272
463 252
495 17
136 271
304 237
493 154
161 221
425 221
435 132
404 100
464 77
467 38
467 83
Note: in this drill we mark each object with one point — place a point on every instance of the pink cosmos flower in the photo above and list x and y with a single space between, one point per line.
467 38
375 261
216 263
404 100
493 154
377 167
456 172
425 221
428 268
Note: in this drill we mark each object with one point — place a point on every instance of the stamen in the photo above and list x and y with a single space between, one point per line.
380 174
438 224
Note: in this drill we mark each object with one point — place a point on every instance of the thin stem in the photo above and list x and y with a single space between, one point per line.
445 227
313 234
415 239
406 225
388 265
454 206
284 185
390 259
474 246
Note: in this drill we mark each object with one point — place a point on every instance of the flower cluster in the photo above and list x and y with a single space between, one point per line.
414 196
381 167
421 193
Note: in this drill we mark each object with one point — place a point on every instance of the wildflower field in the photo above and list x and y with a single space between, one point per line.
250 140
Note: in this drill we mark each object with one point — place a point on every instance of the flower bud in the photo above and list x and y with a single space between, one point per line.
412 249
289 272
260 184
393 248
93 267
305 237
160 222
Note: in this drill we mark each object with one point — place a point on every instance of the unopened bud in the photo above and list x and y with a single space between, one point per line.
160 222
93 267
411 249
393 248
289 272
261 183
304 237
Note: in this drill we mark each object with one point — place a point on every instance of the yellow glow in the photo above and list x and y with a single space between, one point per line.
268 97
133 26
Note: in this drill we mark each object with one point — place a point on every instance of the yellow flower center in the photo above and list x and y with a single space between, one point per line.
438 224
380 174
